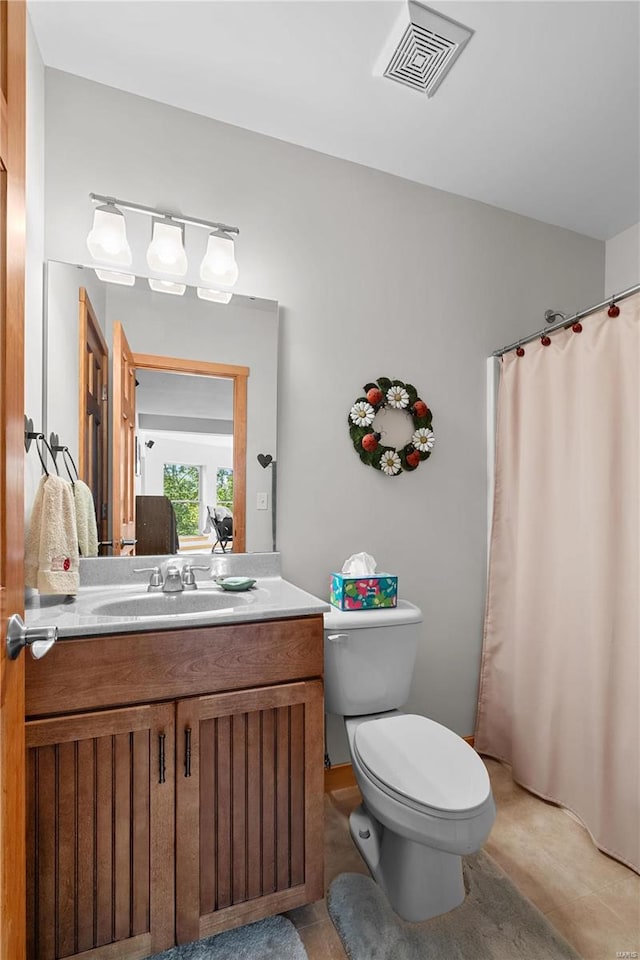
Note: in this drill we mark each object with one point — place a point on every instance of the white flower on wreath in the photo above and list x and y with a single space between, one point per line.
398 398
390 463
362 414
423 439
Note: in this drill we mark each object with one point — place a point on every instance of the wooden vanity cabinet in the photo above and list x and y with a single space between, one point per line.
100 804
162 822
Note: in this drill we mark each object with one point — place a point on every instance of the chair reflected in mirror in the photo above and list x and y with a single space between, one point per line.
220 522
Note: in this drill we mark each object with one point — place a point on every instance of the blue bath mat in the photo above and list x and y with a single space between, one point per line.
495 922
274 938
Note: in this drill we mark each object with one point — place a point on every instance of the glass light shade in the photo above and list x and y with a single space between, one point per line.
111 276
168 286
166 250
216 296
107 239
219 263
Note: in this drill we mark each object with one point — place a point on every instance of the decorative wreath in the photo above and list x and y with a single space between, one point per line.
398 396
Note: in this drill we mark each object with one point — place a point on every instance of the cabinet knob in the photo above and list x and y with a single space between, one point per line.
38 639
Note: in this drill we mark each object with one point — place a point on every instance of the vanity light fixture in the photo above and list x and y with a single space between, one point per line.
219 263
167 286
112 276
107 238
166 252
216 296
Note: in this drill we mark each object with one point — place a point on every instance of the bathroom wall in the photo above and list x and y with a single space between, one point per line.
622 261
375 276
34 257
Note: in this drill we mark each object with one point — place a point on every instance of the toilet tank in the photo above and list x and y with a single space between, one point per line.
369 657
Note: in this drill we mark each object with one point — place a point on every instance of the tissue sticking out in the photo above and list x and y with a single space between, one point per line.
359 565
419 54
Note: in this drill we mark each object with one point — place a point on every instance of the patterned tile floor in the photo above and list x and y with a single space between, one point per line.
592 900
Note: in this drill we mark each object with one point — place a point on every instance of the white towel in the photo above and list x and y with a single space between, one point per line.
51 547
85 520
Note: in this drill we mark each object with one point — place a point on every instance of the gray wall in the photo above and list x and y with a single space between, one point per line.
375 276
34 255
622 261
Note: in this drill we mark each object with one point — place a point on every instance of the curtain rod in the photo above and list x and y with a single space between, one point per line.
568 321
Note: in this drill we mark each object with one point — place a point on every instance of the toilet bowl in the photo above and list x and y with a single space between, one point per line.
426 794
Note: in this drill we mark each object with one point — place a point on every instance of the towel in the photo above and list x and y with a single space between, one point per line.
51 548
85 520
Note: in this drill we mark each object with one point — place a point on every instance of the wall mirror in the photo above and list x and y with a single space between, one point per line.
165 403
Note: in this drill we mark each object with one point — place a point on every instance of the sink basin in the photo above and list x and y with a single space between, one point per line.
169 604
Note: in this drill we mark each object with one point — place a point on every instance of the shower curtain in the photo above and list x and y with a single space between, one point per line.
559 689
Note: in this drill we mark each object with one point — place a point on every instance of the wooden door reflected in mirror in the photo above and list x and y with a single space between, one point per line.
93 465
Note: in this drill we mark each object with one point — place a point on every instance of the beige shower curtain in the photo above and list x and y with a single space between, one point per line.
559 691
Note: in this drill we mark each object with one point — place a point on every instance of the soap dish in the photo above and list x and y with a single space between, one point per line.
235 583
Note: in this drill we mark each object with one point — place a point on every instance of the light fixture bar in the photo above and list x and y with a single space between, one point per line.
154 212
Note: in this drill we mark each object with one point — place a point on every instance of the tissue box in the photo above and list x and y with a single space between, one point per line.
363 593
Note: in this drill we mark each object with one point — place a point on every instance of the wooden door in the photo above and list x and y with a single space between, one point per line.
12 228
249 796
93 441
100 792
124 439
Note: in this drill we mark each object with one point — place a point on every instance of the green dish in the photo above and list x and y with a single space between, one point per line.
235 583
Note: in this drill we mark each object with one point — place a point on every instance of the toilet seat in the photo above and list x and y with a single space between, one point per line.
423 765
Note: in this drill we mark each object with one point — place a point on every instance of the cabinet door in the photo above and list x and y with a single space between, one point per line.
100 811
249 796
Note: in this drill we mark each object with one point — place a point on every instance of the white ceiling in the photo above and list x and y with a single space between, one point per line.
540 115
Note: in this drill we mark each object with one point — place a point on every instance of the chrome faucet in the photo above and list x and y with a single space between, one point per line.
172 580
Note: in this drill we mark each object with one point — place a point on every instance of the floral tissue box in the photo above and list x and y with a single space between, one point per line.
363 593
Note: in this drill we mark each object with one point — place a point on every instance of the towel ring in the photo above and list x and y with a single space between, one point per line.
57 447
32 435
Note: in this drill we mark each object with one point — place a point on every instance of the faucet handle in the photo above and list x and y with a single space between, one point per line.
155 580
187 574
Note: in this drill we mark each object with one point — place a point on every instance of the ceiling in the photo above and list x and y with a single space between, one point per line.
540 115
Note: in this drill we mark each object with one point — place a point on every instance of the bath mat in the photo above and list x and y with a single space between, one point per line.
495 922
274 938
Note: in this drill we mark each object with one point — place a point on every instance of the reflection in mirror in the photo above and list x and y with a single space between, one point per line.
182 457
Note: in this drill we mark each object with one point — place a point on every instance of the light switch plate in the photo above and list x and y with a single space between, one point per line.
262 502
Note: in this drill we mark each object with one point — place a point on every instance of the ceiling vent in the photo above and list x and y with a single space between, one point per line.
421 53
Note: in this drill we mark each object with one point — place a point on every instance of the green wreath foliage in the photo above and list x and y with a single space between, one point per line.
357 433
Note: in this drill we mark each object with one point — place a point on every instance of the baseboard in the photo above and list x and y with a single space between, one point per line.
341 775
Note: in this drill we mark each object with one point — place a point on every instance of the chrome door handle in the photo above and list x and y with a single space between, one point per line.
335 637
38 639
127 543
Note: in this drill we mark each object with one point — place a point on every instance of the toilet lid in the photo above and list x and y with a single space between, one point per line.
420 759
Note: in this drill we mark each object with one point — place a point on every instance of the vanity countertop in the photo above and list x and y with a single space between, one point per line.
272 598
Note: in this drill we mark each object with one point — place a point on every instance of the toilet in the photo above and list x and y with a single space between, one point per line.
426 794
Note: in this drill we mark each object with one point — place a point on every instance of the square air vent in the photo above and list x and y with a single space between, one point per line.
421 52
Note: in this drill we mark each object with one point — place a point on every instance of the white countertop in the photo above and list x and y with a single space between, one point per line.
272 598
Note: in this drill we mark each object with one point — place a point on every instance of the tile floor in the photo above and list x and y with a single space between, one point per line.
591 899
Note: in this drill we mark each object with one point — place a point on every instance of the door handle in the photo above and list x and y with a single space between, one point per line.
187 751
128 543
38 639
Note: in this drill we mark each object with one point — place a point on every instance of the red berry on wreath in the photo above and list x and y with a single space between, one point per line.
413 458
420 408
374 396
370 442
